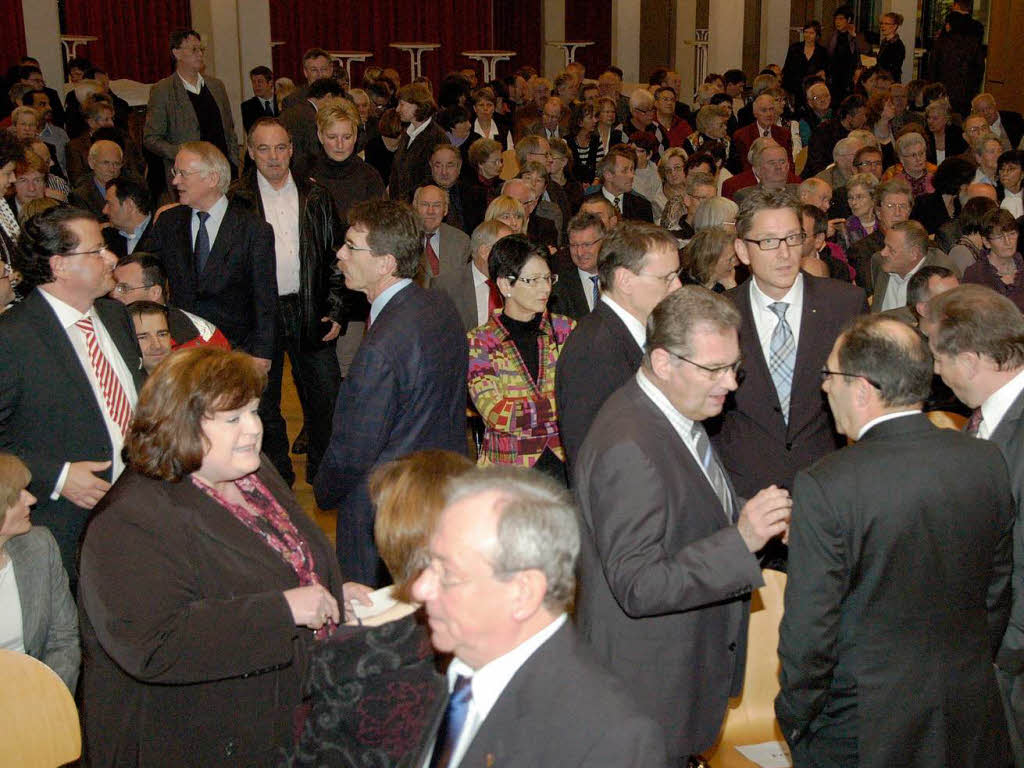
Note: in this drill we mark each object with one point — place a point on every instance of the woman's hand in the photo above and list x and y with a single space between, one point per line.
312 606
353 592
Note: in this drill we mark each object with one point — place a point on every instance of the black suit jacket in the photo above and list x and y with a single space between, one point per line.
86 195
405 391
665 577
48 413
757 446
637 207
237 291
252 110
561 709
118 244
598 357
1013 125
895 595
860 255
410 168
567 296
300 120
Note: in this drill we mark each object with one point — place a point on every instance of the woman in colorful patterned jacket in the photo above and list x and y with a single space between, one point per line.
512 362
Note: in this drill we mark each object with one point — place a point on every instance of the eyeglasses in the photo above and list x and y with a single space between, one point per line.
773 243
573 245
825 373
896 206
717 372
93 252
872 163
351 247
666 279
539 154
176 172
1004 237
123 288
533 282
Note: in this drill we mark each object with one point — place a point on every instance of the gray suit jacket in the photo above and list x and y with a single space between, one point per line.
458 284
171 120
880 278
665 577
454 253
49 618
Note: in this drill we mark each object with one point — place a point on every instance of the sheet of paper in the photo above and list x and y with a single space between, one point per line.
769 754
382 600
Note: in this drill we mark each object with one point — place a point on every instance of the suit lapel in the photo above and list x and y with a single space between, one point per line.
806 377
112 316
750 346
225 237
618 330
1007 426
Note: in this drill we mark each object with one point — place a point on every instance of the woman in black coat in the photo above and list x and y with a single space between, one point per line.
807 57
891 51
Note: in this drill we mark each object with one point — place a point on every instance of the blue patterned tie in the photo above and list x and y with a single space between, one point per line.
714 471
454 720
597 290
783 357
202 245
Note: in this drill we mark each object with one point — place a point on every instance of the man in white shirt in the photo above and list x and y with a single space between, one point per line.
977 343
500 578
578 288
469 286
70 369
667 560
906 250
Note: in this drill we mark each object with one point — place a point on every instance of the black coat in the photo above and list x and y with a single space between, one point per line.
798 66
252 110
411 166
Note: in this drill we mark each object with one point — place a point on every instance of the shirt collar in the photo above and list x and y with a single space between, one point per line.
217 211
137 232
885 417
381 301
662 402
910 274
479 278
998 403
794 296
635 327
412 133
267 189
67 315
192 88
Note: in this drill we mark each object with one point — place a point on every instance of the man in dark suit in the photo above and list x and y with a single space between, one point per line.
893 203
1008 126
61 410
263 103
219 257
310 292
777 422
539 229
578 289
906 250
886 650
105 160
523 690
638 266
763 127
316 65
850 115
129 209
468 285
976 340
616 171
445 172
406 388
445 248
667 563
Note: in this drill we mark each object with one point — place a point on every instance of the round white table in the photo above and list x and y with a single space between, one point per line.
489 59
569 48
71 43
415 51
347 57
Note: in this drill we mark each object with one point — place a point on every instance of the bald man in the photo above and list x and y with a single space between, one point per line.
105 161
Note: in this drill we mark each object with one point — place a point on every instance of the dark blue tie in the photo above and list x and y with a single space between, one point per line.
202 245
454 720
597 290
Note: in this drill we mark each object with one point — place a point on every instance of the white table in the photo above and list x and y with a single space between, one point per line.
569 48
415 51
347 57
71 43
490 60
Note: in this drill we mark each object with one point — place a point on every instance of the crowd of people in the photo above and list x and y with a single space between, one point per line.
574 365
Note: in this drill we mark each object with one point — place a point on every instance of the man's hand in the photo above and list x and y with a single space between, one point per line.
765 516
332 334
81 487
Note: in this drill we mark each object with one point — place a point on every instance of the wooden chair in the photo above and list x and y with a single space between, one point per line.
750 718
947 420
38 718
800 161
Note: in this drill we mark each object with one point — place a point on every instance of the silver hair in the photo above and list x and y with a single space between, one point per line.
715 212
537 528
211 160
908 140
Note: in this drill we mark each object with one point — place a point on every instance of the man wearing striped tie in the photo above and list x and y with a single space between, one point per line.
70 370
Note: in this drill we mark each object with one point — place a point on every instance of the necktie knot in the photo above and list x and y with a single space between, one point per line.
618 203
779 308
203 216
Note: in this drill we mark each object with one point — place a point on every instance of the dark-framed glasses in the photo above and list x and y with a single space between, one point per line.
716 372
826 373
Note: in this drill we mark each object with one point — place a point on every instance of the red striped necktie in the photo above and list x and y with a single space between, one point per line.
118 405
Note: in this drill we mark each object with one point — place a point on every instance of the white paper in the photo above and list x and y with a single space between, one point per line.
769 754
382 601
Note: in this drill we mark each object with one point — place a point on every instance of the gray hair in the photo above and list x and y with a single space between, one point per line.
697 179
758 147
640 97
843 145
674 320
416 194
487 233
940 106
715 212
865 137
978 145
211 160
537 528
908 141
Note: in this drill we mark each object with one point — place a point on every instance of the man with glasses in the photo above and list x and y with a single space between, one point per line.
770 170
406 388
637 266
643 118
552 124
105 161
189 106
70 369
893 203
577 291
907 249
896 599
667 559
777 422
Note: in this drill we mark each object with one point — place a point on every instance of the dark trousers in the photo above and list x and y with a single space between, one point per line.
317 379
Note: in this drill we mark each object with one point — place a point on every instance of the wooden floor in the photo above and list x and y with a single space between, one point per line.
292 412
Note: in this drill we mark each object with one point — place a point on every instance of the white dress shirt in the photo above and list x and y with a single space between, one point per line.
765 320
588 286
611 198
997 404
493 133
412 133
281 210
482 291
12 632
896 290
67 316
635 327
885 417
382 301
217 211
1012 202
135 235
488 683
192 88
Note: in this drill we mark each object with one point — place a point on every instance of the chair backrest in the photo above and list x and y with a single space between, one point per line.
38 719
947 420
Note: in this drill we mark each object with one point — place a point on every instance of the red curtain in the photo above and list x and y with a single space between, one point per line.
458 25
591 20
517 28
12 38
132 34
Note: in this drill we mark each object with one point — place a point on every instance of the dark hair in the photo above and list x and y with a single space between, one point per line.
130 188
763 200
27 70
325 86
389 125
917 286
700 158
999 220
849 105
152 267
819 217
166 440
1010 157
108 133
90 74
974 318
509 255
26 98
843 10
449 117
972 215
179 36
392 228
933 92
644 140
720 98
43 236
314 53
734 76
627 246
453 91
11 150
579 112
417 94
146 307
585 220
813 24
899 364
953 173
615 71
262 70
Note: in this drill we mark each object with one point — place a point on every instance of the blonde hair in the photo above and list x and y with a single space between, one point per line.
14 477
